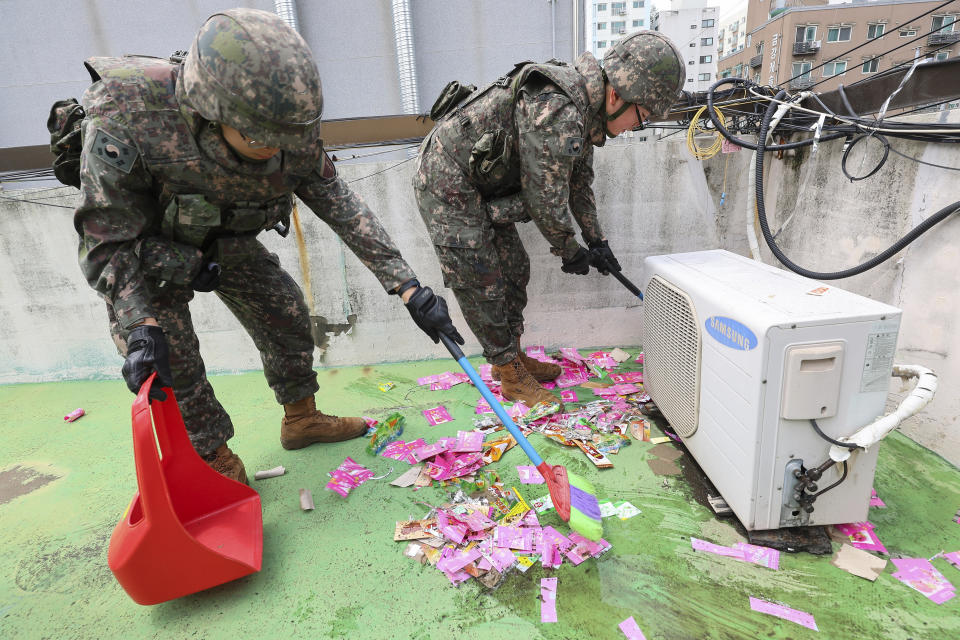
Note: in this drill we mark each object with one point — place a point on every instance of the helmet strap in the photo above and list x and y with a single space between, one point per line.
611 116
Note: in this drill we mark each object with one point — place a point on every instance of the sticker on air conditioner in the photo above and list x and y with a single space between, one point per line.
730 333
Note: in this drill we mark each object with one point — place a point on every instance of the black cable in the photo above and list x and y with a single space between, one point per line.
846 152
48 204
820 433
393 166
927 106
914 233
918 160
842 478
749 145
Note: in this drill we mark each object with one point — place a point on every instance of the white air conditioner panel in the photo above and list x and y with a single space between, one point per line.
750 318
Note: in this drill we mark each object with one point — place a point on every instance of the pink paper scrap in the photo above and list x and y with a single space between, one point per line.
439 386
486 372
451 528
953 558
548 599
518 409
483 406
437 415
530 475
639 359
530 519
862 536
920 574
875 500
569 395
427 380
548 385
502 558
347 476
628 377
428 451
538 353
763 556
800 617
631 630
572 355
469 441
478 521
403 451
604 359
567 379
709 547
625 389
457 560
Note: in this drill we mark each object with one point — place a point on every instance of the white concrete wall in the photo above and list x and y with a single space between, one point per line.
55 326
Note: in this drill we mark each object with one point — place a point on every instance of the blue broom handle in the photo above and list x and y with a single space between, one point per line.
457 354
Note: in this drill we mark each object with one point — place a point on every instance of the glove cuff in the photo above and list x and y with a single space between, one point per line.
409 284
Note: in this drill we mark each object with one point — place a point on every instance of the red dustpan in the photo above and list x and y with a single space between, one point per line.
188 528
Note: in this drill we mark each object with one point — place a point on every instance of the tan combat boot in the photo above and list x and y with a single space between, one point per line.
517 384
227 463
303 425
541 371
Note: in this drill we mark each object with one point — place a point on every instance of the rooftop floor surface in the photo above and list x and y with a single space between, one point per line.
336 572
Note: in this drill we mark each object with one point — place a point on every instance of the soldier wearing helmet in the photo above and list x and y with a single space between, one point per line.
520 150
183 165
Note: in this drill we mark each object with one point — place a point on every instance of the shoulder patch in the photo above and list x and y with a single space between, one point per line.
114 152
572 145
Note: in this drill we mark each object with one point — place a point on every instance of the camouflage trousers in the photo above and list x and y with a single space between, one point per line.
270 306
484 264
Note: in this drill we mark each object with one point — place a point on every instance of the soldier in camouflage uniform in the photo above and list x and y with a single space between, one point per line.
521 150
182 166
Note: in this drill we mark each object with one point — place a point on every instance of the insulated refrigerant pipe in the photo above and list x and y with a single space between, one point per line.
918 398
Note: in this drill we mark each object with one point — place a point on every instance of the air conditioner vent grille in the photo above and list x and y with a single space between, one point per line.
671 347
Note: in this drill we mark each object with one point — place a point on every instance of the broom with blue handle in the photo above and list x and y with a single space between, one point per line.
574 498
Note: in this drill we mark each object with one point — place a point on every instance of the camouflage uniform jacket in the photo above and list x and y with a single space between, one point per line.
551 114
161 191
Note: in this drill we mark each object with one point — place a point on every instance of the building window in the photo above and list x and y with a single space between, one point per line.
693 26
601 26
690 62
834 68
706 59
707 23
638 4
704 76
618 7
749 39
941 55
693 44
801 70
602 7
689 79
870 66
874 31
756 77
838 34
706 42
943 23
806 33
907 33
601 44
618 26
760 49
638 23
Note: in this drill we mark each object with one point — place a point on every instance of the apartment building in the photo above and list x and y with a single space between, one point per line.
799 47
692 25
732 31
608 22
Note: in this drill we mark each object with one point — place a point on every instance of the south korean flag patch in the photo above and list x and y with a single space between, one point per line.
115 153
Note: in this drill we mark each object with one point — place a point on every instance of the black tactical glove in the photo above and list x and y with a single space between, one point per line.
578 264
602 258
208 279
147 352
429 311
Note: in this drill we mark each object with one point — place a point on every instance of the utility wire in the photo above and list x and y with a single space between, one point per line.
393 166
835 58
49 204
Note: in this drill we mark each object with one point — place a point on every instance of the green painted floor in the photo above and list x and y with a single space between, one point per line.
336 572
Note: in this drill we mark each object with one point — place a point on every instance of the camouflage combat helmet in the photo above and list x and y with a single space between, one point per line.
248 69
646 68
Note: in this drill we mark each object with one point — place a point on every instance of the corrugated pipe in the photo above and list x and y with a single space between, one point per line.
406 60
287 10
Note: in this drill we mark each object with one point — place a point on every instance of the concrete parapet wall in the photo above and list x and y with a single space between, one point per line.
652 198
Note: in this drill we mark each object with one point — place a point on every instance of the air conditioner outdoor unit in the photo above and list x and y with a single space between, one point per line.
741 356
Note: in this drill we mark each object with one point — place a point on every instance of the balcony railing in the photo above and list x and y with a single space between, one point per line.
801 83
943 37
756 61
806 48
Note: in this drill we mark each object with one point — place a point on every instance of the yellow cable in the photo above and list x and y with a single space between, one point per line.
304 259
700 152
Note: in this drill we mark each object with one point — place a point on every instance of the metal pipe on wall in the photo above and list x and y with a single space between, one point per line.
406 60
553 28
287 10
